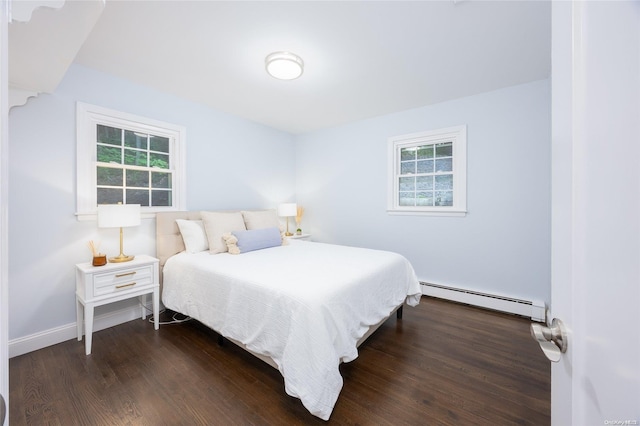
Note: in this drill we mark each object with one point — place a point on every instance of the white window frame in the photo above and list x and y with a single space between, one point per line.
457 135
88 117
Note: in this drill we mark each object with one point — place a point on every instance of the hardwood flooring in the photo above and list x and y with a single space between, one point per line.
443 363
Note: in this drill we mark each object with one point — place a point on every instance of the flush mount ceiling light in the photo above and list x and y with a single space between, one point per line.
284 65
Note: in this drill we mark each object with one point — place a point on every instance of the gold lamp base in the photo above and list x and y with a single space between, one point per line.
288 234
121 258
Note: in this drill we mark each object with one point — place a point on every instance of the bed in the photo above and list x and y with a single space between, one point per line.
302 307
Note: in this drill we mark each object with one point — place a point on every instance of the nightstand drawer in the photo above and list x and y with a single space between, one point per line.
122 280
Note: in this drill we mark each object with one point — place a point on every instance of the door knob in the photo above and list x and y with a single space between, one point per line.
552 340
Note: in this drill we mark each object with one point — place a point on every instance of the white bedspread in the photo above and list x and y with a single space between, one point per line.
305 305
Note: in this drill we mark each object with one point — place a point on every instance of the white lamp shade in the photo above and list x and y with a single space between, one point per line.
118 215
287 209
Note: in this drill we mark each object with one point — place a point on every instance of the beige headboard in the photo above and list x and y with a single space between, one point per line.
168 238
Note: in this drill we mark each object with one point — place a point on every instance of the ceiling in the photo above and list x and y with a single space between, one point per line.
362 58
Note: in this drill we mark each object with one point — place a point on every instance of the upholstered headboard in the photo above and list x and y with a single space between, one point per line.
168 237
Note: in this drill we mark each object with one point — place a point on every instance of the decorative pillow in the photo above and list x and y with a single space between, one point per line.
193 235
250 240
261 219
218 223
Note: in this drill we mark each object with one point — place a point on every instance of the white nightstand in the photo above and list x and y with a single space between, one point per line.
99 285
305 237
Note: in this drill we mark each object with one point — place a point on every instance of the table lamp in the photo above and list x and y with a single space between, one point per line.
287 210
119 216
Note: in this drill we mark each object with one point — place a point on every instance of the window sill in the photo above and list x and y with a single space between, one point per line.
450 213
82 217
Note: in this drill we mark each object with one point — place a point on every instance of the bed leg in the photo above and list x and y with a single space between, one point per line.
220 340
399 312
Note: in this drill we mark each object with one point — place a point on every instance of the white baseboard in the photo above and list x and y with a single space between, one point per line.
66 332
536 309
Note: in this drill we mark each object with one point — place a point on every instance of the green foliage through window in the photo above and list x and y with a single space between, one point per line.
129 167
426 175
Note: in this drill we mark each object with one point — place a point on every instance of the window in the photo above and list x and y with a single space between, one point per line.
128 159
427 173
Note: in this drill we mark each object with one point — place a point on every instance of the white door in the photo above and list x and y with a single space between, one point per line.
596 211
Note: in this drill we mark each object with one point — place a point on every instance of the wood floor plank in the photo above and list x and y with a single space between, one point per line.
443 363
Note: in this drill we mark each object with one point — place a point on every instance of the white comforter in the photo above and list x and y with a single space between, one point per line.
305 305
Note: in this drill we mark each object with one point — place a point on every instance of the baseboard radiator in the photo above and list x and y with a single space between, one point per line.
536 310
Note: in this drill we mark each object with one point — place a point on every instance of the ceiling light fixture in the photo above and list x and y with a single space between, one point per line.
284 65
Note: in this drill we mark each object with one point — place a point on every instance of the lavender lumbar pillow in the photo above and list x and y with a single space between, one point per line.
255 239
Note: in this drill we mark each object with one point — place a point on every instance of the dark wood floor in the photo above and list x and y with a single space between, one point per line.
443 363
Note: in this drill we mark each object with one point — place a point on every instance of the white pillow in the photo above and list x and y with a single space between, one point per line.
218 223
193 235
261 219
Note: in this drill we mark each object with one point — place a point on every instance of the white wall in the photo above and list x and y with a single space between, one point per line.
502 246
231 163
